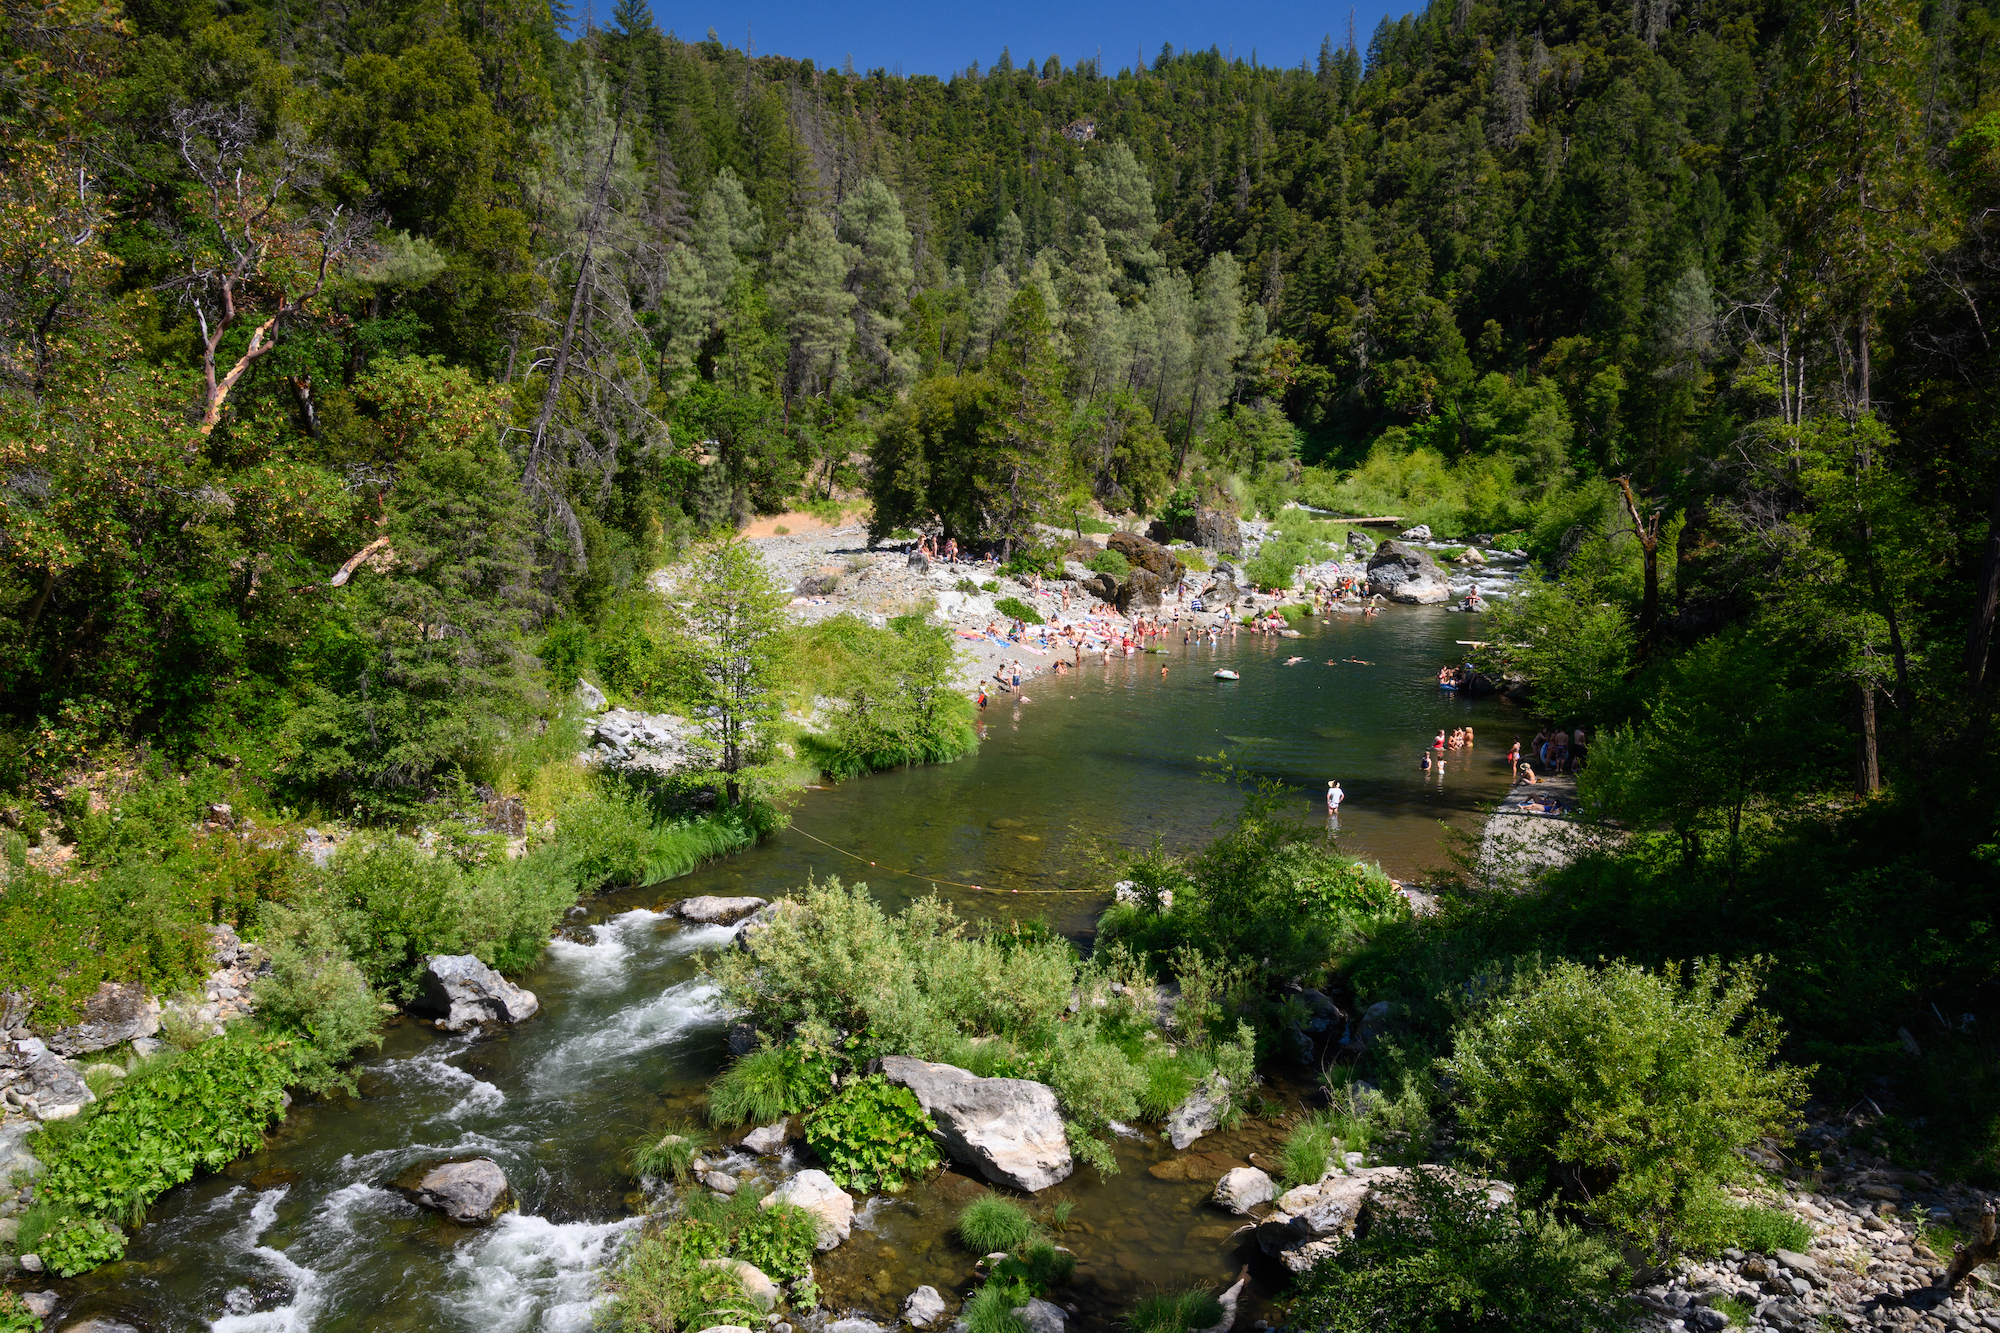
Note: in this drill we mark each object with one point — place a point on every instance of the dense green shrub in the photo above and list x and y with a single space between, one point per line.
898 692
873 1135
991 1223
1110 562
316 994
660 1286
1441 1257
1765 1230
1626 1093
1016 609
68 1242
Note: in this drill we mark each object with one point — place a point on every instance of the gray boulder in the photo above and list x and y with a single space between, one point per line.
1421 592
1039 1316
1217 531
1244 1188
712 911
1009 1129
832 1210
854 1326
763 1292
590 697
114 1014
923 1307
461 993
1200 1113
759 921
1420 533
1360 542
471 1191
1141 591
658 743
768 1140
1395 564
1101 586
41 1083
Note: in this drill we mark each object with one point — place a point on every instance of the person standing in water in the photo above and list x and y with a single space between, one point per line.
1334 796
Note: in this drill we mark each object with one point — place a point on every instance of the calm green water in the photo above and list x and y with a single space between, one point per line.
302 1235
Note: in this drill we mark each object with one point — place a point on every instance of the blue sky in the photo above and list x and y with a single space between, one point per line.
925 37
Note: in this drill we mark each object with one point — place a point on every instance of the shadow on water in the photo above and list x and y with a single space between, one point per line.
303 1235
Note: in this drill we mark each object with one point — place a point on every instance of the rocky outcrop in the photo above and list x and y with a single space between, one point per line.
713 911
590 698
1142 553
461 993
923 1307
1242 1189
40 1082
1200 1113
832 1211
1008 1129
647 742
757 1285
1311 1219
115 1013
471 1191
1359 542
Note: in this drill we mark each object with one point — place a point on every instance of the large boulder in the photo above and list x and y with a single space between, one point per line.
1360 543
1008 1129
768 1140
832 1211
759 921
1141 591
712 911
114 1013
471 1191
1199 1114
1422 592
1311 1219
1395 563
41 1082
1218 531
1142 553
461 993
1242 1189
923 1307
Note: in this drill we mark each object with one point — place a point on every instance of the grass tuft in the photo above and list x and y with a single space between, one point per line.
991 1223
1308 1149
1175 1312
670 1156
751 1089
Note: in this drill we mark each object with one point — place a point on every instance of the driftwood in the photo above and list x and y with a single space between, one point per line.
354 561
1964 1258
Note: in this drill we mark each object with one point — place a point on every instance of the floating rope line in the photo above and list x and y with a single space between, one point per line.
979 888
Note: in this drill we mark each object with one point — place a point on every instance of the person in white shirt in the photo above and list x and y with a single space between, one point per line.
1334 796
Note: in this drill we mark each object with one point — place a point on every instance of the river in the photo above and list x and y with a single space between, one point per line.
303 1235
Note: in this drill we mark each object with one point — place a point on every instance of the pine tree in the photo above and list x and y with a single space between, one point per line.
1023 432
872 225
809 292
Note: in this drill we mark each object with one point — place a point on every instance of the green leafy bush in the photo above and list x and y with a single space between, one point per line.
873 1135
1109 562
170 1119
991 1223
991 585
1175 1312
1767 1230
315 993
70 1243
966 585
780 1239
660 1286
1441 1257
16 1317
1015 608
1626 1092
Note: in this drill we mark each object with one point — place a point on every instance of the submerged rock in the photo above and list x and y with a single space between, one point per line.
831 1208
471 1191
462 992
1243 1189
923 1307
1200 1113
100 1326
1009 1129
712 911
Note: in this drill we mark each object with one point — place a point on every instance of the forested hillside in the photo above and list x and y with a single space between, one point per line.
360 362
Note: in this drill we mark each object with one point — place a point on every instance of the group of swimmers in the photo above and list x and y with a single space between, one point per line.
1443 742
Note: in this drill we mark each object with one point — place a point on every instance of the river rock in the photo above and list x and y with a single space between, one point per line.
1141 553
1242 1189
923 1307
854 1326
1199 1114
713 911
100 1325
750 927
1471 556
768 1140
1141 591
114 1014
1039 1316
1420 533
1359 542
1421 592
40 1304
1318 1217
471 1191
462 993
1395 564
1007 1128
590 697
1126 891
832 1210
763 1292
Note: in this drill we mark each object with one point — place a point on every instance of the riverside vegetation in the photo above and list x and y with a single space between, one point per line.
359 369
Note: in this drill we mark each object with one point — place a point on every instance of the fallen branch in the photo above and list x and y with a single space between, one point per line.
354 561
